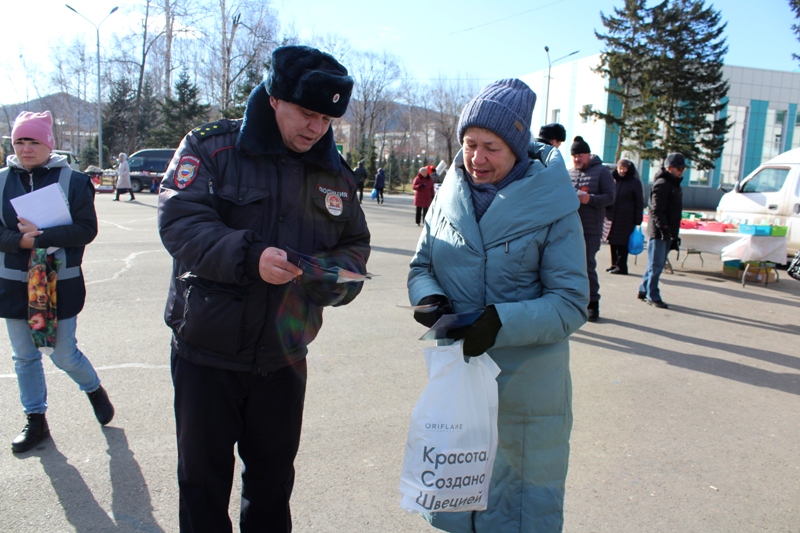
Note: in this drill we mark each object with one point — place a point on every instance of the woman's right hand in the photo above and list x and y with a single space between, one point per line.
429 319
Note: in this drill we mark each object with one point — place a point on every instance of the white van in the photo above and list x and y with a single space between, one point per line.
72 159
768 195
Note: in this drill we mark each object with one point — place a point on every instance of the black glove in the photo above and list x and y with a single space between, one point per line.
481 334
325 293
429 319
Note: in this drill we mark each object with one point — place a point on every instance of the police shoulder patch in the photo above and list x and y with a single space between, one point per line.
186 171
216 128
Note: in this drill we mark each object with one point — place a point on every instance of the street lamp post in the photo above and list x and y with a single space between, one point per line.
549 66
99 103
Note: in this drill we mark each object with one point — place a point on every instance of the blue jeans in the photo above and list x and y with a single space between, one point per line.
656 259
28 363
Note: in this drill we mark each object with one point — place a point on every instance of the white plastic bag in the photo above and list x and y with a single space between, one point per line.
452 439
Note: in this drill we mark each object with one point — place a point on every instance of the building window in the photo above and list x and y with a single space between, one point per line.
585 113
556 116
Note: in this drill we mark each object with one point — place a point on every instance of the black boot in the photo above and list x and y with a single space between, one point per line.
103 409
35 431
594 311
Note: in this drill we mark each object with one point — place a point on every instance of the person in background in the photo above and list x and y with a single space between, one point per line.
124 177
237 207
423 193
595 188
361 177
663 225
626 213
41 293
504 236
380 184
553 134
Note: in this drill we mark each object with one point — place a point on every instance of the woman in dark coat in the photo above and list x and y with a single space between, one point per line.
625 213
423 193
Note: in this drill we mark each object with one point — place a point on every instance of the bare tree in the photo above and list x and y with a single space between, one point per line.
376 77
71 67
247 32
449 96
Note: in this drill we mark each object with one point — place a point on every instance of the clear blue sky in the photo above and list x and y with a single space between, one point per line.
480 39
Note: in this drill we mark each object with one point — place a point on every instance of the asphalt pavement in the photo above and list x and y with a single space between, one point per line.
686 419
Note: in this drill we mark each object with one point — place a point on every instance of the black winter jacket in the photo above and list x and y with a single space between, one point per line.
597 181
73 238
628 209
666 204
231 191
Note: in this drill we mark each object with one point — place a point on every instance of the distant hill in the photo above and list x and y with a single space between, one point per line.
74 119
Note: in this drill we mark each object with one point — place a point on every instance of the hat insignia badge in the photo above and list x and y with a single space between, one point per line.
336 98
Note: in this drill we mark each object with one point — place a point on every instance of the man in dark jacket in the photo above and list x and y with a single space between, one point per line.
258 214
663 226
361 176
41 281
595 187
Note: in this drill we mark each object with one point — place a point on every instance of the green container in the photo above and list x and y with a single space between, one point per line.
778 231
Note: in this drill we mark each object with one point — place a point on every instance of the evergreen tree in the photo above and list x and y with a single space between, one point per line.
149 116
180 115
394 171
88 154
117 120
795 5
242 92
623 63
686 90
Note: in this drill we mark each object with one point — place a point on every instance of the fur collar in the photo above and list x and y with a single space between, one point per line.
260 135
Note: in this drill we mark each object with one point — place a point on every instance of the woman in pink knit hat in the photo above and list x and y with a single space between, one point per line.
41 287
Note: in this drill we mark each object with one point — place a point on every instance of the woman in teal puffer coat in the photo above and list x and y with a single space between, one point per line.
504 236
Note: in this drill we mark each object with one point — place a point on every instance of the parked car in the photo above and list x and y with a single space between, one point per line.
147 165
72 159
768 195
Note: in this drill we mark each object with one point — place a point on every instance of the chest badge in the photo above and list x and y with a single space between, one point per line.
333 204
187 170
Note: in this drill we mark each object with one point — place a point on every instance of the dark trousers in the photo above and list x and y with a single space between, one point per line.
619 257
216 409
421 212
360 191
592 246
380 195
129 191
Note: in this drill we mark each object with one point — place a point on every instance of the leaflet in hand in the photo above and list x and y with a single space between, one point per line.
45 208
313 267
448 322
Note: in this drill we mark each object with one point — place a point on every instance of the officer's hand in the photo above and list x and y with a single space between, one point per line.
429 319
275 269
481 335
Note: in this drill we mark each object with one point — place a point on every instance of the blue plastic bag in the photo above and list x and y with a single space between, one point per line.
636 241
374 193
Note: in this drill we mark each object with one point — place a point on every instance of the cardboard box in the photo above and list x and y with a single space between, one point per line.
761 275
754 274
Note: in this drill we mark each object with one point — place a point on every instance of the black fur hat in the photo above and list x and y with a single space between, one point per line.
309 78
553 132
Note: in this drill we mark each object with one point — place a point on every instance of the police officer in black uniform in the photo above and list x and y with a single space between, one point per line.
257 214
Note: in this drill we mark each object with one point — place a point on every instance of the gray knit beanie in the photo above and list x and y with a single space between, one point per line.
505 108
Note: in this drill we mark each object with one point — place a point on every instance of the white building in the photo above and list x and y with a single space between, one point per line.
761 103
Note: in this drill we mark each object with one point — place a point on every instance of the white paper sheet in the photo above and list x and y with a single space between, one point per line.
45 207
